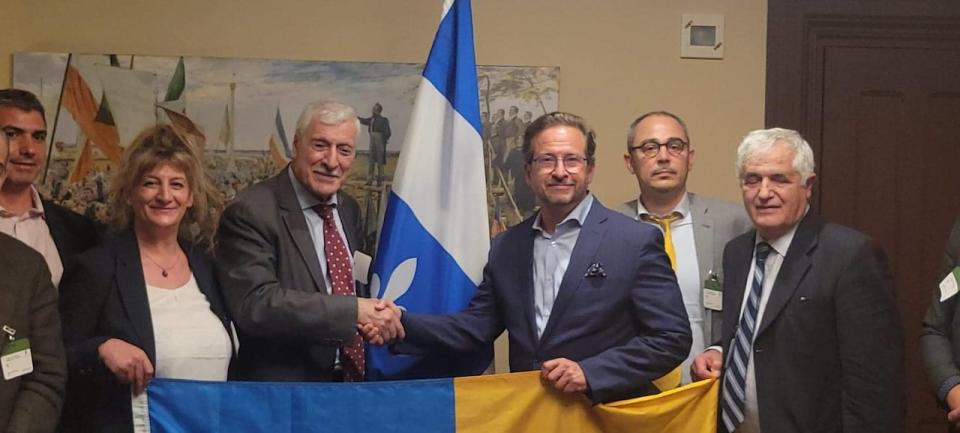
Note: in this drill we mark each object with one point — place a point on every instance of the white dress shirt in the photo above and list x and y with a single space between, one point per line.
31 228
688 275
751 415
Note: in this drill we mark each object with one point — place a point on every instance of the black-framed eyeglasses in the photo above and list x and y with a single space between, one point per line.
650 148
548 163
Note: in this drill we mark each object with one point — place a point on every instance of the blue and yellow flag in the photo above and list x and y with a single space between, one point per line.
516 402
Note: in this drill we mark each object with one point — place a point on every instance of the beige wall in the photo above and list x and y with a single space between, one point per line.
617 58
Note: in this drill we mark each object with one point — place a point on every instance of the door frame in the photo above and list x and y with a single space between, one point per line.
795 85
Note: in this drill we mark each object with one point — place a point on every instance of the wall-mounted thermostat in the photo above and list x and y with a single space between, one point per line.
701 36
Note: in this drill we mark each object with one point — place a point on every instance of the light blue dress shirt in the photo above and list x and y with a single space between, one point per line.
307 201
551 256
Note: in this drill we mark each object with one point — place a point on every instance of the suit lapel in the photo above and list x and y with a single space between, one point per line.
794 267
584 252
524 259
202 273
349 213
735 282
56 226
348 216
131 285
8 299
703 237
703 243
296 226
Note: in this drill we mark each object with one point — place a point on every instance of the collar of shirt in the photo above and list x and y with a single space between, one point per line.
305 198
577 216
781 244
35 211
683 208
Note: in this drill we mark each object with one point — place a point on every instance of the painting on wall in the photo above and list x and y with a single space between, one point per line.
243 112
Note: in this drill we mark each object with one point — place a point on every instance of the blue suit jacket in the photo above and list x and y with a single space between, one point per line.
624 329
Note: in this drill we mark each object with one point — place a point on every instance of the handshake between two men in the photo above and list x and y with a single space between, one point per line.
378 321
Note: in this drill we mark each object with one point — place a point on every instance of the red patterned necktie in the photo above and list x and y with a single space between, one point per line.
341 279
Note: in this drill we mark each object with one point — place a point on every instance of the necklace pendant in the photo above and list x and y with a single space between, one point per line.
164 273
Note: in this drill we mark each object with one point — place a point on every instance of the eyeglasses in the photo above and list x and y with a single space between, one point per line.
548 163
650 148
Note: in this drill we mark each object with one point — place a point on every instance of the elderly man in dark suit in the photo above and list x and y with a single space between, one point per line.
57 233
286 251
811 334
587 294
32 386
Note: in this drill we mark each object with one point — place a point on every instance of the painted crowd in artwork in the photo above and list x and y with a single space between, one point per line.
243 113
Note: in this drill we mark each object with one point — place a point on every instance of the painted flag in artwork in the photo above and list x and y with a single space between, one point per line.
278 139
282 135
78 100
435 237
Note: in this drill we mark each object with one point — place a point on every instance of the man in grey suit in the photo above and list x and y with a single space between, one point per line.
287 253
811 334
940 335
660 155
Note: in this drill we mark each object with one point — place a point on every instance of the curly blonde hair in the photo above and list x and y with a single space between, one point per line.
154 147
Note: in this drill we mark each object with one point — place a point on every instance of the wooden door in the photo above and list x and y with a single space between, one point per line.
877 93
889 152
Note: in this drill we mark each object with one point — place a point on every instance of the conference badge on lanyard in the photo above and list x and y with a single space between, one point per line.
15 358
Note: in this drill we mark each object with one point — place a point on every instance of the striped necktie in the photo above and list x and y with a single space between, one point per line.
733 396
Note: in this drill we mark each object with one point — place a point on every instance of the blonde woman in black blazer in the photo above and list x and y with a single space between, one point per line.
120 304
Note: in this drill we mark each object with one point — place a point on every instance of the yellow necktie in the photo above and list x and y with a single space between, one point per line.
664 223
672 379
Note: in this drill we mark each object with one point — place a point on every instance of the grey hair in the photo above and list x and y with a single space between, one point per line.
763 140
632 131
327 112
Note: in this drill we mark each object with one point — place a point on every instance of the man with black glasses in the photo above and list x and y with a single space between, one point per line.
587 295
695 227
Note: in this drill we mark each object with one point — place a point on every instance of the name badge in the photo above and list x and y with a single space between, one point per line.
361 266
948 287
713 293
16 359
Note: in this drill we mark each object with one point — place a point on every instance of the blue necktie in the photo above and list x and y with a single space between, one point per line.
734 396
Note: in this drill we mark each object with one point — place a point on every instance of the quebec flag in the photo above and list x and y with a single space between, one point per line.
435 237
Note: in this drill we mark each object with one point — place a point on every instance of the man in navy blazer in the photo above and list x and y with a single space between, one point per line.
587 294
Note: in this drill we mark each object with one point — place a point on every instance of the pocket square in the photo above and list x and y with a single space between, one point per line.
595 270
